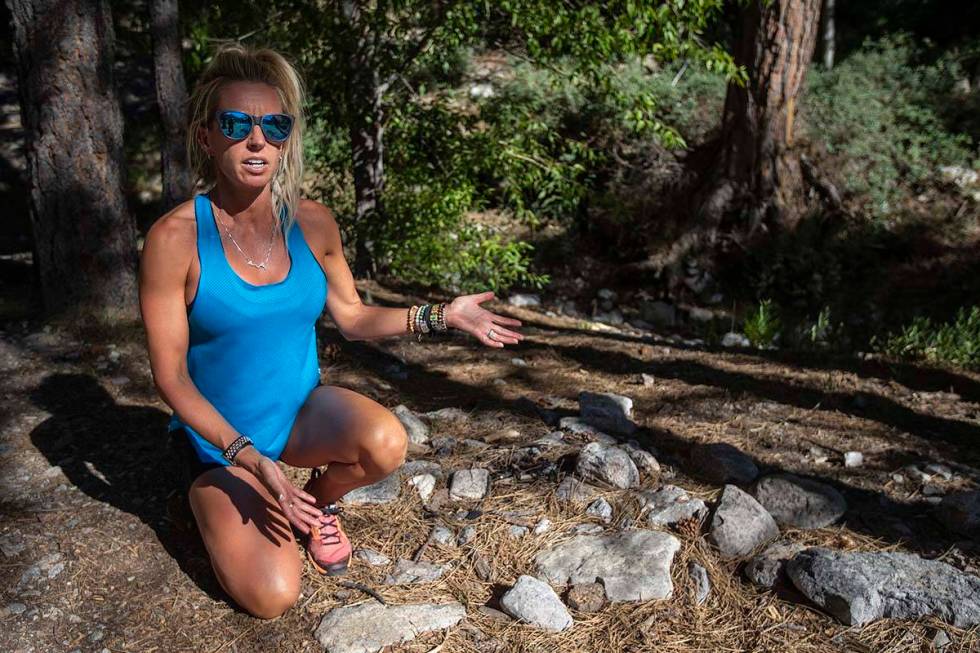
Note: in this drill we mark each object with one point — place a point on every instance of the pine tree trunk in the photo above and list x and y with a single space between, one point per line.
365 94
85 240
754 174
172 100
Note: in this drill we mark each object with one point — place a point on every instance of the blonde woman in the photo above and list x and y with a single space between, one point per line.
232 283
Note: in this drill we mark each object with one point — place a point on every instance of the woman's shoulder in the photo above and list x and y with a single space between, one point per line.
318 223
175 230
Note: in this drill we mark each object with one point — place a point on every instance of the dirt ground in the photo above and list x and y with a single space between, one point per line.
99 553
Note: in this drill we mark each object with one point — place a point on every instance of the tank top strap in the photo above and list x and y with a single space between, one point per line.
208 239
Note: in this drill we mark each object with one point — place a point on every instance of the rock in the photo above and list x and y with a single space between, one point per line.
799 502
578 426
940 640
524 299
767 569
644 460
534 602
442 535
959 176
372 557
496 615
648 380
659 313
553 439
424 484
384 491
587 529
369 627
448 414
469 484
542 526
15 608
608 412
407 572
720 463
734 339
418 432
632 565
443 445
669 505
858 588
740 524
573 490
613 317
470 444
419 467
13 543
853 459
517 532
519 362
960 512
702 584
610 465
600 508
466 535
940 470
586 597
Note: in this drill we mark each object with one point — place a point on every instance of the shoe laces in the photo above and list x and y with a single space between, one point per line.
331 536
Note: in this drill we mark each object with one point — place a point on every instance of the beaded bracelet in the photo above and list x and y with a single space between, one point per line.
240 443
426 318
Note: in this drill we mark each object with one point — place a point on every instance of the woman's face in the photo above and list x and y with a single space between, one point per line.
229 157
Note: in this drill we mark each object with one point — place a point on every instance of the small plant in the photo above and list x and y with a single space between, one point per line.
762 325
953 343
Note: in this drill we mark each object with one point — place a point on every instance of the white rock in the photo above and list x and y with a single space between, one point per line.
424 484
469 484
418 432
534 602
853 459
369 627
371 557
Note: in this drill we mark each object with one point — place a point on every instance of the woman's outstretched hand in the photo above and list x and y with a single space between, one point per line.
465 313
298 506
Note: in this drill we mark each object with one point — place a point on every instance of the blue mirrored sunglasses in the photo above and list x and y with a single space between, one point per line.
237 125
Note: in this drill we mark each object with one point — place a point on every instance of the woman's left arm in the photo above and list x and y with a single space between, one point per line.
357 321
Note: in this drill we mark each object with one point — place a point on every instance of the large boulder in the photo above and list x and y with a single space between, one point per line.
861 587
632 565
369 627
739 524
800 502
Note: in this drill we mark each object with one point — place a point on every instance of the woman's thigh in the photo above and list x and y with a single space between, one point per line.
249 540
338 425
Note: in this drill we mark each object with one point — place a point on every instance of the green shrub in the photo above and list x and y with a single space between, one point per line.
953 343
876 113
762 325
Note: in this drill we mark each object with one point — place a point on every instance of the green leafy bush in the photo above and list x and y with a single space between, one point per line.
877 114
953 343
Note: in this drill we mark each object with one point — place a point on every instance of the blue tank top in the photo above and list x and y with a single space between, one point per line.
252 349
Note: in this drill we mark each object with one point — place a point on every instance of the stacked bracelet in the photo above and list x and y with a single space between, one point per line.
240 443
426 318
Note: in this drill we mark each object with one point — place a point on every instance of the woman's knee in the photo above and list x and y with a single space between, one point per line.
385 445
269 600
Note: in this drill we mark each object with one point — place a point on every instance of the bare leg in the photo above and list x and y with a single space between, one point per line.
360 440
251 546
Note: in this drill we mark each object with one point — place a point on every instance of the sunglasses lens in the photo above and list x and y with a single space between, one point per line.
234 124
276 126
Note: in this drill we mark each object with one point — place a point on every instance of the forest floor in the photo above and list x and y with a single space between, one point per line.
98 553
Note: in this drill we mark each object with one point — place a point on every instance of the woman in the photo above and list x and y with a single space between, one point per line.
231 286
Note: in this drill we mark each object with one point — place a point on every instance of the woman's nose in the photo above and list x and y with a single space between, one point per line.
256 137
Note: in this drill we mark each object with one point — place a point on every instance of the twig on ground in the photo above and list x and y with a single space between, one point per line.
349 584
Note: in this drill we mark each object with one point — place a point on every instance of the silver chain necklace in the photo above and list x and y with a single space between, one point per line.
248 259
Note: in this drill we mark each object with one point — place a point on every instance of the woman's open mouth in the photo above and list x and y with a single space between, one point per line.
255 165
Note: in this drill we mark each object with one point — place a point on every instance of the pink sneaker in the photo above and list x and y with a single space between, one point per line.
332 554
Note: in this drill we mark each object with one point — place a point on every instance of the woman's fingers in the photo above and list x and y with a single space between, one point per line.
500 331
502 319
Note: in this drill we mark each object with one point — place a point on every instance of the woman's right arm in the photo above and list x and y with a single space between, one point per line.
165 261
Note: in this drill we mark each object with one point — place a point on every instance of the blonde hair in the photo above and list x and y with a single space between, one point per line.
237 62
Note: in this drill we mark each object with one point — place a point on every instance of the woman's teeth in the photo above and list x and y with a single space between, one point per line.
255 165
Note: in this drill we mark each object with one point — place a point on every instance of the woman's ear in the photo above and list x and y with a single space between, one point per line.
202 139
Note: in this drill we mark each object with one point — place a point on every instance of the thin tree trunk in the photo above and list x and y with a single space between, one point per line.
84 236
172 100
828 33
365 93
753 172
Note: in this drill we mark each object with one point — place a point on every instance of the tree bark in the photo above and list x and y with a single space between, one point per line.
365 94
753 173
85 240
172 101
828 33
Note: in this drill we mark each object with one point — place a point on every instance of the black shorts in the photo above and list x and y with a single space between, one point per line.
190 465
